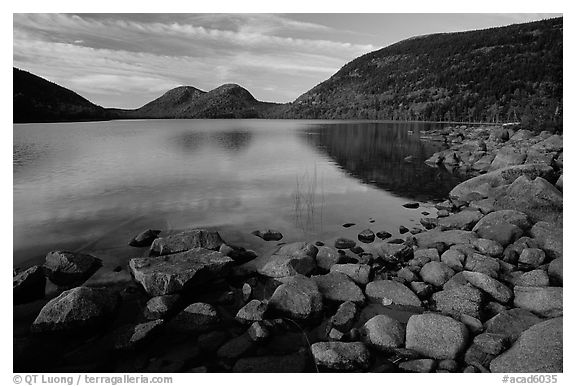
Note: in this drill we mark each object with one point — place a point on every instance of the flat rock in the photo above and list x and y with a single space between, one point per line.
163 275
341 355
511 323
491 286
184 241
384 332
298 297
538 350
485 183
291 259
543 301
359 273
459 300
464 220
432 237
338 287
159 307
145 238
79 309
70 269
391 290
28 285
197 317
436 273
548 236
436 336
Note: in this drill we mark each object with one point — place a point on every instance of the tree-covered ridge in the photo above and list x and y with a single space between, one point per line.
511 73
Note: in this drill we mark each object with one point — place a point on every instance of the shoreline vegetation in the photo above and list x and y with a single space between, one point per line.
476 287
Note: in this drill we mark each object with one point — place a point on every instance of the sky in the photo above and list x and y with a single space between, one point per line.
127 60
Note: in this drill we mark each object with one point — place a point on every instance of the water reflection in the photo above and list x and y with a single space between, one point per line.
229 141
387 155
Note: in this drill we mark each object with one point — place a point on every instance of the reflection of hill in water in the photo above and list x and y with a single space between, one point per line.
229 141
375 153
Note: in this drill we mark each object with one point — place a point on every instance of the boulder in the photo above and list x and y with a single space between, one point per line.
341 355
553 143
197 317
459 300
133 336
184 241
535 278
454 259
488 247
159 307
327 257
436 273
80 309
163 275
390 252
359 273
418 365
511 323
268 235
423 256
431 238
144 239
343 243
384 332
492 344
258 332
338 287
508 156
70 269
491 286
366 236
240 255
465 220
532 257
538 198
411 205
548 236
297 297
344 317
555 271
28 285
436 336
543 301
483 264
254 311
392 291
538 350
486 183
291 259
383 235
509 216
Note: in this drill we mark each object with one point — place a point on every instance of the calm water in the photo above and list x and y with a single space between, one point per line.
92 186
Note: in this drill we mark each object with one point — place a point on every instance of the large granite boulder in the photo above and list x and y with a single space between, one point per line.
384 332
511 323
184 241
508 156
543 301
538 350
486 183
436 336
81 309
390 291
68 269
297 297
338 287
163 275
28 285
291 259
538 198
504 216
549 238
491 286
341 355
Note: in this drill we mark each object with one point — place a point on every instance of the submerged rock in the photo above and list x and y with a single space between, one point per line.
538 350
341 355
436 336
163 275
366 236
291 259
81 309
28 285
187 240
144 239
343 243
269 235
69 269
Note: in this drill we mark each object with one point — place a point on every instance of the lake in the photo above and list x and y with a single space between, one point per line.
92 186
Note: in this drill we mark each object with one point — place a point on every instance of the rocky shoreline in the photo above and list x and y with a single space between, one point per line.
476 288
